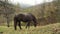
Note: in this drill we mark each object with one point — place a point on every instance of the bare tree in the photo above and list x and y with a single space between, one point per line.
7 10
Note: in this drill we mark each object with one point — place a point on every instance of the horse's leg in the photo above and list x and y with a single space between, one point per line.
28 24
19 24
15 25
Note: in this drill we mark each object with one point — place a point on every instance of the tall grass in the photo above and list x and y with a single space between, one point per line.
48 29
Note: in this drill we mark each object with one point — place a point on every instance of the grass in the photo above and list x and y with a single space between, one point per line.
48 29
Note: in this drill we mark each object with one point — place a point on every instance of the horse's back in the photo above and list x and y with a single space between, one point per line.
25 16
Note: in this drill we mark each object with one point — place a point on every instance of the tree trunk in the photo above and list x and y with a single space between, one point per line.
7 18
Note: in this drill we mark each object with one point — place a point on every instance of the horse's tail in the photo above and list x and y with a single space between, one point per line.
15 23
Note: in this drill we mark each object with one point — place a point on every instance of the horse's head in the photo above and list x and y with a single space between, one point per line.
35 22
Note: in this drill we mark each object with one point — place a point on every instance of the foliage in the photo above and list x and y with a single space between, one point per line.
51 9
40 10
8 10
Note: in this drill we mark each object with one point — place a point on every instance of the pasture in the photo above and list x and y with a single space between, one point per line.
48 29
48 11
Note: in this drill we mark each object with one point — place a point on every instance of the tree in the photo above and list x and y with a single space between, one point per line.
6 10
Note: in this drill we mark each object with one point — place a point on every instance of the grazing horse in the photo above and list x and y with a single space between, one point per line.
24 18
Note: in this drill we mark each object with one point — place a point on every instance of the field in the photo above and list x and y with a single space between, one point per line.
48 29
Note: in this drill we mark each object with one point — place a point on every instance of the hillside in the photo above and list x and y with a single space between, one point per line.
47 12
45 9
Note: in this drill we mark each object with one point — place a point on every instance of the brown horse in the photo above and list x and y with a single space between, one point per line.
24 18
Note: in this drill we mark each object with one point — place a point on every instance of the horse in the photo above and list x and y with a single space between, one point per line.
24 18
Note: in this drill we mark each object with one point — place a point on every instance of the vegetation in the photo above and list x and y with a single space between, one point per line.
48 29
46 11
8 10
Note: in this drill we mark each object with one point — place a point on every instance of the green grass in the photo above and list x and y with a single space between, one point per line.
48 29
